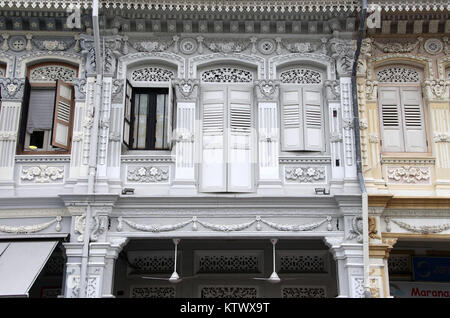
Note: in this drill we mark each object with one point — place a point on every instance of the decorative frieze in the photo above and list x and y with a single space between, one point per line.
26 229
220 264
303 292
228 292
152 292
220 46
223 227
395 47
42 174
305 174
148 174
421 229
153 46
53 45
408 174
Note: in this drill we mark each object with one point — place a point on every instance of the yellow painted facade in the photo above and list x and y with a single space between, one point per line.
409 192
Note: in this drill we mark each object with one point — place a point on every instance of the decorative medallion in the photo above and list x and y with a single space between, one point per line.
188 46
17 43
267 46
433 46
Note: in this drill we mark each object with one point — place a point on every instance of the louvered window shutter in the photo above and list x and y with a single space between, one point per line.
24 114
213 164
414 128
292 119
62 116
391 121
240 157
313 119
127 114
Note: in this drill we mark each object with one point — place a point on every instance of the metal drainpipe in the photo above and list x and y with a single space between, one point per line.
365 208
92 152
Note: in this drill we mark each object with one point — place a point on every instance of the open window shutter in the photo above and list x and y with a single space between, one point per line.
292 119
268 140
24 114
414 128
62 117
240 159
213 168
389 99
313 119
127 114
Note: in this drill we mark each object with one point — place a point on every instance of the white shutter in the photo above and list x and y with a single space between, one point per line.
184 150
313 118
414 128
213 167
240 159
292 118
62 118
391 121
268 140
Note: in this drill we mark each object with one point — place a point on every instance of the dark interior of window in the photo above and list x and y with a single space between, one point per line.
149 119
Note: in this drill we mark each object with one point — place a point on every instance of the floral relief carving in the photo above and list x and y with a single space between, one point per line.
333 89
186 89
42 174
435 88
267 89
8 135
53 45
441 137
235 46
397 47
148 174
356 230
422 229
305 174
408 174
153 46
12 88
25 229
298 47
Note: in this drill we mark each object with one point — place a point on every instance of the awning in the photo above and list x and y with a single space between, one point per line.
20 265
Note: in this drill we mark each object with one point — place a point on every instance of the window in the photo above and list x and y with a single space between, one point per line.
301 110
227 120
47 109
149 119
401 109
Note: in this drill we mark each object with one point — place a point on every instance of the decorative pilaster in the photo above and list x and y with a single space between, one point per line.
267 94
348 128
186 92
12 94
349 260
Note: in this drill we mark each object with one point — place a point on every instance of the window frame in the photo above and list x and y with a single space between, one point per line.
400 86
46 85
151 113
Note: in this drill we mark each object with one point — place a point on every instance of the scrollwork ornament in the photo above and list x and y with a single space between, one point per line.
333 89
267 89
186 89
435 88
80 88
42 173
396 47
441 137
344 53
12 88
356 230
117 90
408 174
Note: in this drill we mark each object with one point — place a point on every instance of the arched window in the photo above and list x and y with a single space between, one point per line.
149 107
47 108
302 115
227 117
401 108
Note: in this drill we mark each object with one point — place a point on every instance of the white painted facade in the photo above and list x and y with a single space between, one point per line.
260 117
